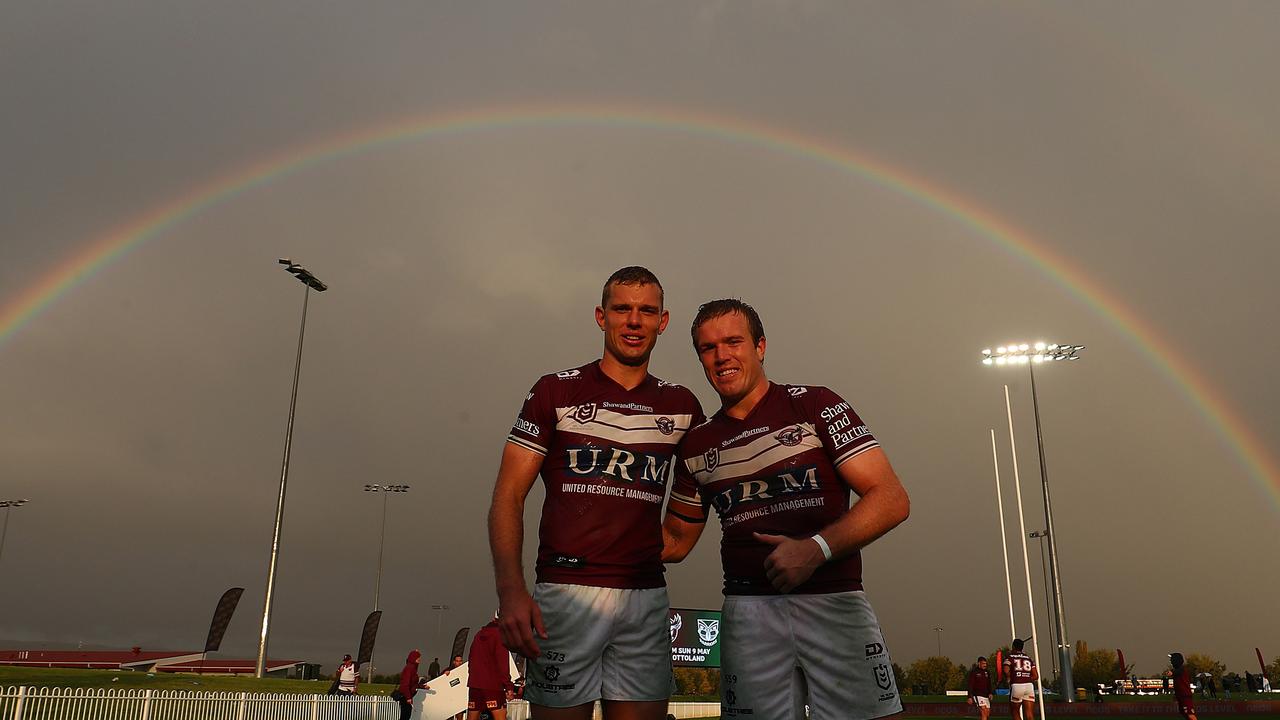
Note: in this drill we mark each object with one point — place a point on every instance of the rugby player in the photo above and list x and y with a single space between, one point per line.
603 436
777 462
1022 673
1182 687
980 689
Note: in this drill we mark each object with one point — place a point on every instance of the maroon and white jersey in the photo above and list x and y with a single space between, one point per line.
773 472
609 453
1018 666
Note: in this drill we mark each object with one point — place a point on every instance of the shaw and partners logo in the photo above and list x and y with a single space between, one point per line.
526 426
803 480
708 631
620 464
677 622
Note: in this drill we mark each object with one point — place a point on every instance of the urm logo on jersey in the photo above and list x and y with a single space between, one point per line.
801 480
620 464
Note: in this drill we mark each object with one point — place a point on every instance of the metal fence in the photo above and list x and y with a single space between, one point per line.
42 703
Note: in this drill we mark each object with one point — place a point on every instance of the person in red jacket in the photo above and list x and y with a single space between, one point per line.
408 684
489 674
1182 687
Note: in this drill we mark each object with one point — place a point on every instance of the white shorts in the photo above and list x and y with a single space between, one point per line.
1022 691
602 644
982 702
781 652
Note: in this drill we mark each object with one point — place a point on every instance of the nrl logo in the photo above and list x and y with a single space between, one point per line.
884 680
790 436
676 623
585 413
712 459
666 425
708 631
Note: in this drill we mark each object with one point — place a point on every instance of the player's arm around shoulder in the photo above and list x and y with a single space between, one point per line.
679 536
518 616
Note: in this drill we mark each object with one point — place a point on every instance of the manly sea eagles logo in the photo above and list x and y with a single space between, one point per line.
712 458
790 436
708 631
676 623
884 678
666 425
585 413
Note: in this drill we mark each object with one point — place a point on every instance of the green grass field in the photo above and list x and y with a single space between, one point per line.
112 679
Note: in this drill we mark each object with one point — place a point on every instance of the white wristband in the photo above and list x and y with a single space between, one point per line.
822 543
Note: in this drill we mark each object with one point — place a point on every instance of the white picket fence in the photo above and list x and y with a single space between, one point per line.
43 703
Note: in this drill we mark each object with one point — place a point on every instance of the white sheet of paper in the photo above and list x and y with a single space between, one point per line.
447 695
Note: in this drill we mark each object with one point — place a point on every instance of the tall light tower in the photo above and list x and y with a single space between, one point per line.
1032 355
382 539
311 282
1044 577
440 610
8 506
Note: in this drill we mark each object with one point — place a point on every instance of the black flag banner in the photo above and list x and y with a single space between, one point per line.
221 618
459 644
368 637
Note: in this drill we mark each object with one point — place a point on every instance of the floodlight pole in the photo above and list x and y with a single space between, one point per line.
1026 355
1067 685
1044 576
309 281
382 541
439 619
8 506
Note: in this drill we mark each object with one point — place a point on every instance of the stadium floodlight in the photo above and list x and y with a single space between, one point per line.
8 505
1032 354
311 282
382 541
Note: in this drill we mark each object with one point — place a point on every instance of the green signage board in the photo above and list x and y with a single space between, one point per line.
695 637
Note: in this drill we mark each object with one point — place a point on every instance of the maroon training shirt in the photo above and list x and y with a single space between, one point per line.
773 472
979 683
608 453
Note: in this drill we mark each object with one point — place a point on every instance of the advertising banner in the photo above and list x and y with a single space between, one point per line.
695 637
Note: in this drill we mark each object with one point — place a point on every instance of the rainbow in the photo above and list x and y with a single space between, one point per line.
100 252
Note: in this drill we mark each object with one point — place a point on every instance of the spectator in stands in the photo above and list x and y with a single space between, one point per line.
433 670
1164 682
408 684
